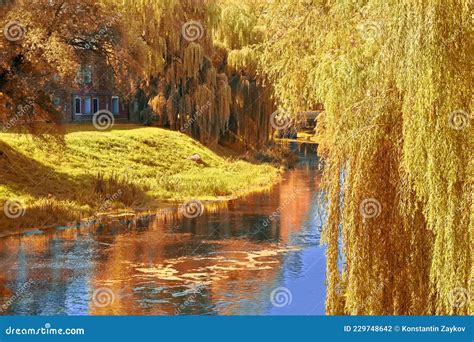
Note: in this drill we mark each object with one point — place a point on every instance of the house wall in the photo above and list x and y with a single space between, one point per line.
105 103
94 80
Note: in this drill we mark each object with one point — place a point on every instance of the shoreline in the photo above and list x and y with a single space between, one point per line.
112 216
129 169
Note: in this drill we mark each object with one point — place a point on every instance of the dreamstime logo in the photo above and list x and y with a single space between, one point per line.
105 206
370 208
196 116
103 297
103 31
14 208
369 30
458 119
14 31
192 208
192 30
280 297
25 288
103 120
22 110
458 297
290 199
280 120
197 290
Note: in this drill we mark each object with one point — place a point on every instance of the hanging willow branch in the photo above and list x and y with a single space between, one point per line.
396 83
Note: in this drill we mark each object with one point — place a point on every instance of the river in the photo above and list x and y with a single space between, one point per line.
260 255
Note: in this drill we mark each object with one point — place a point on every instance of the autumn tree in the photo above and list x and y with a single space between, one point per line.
43 44
396 81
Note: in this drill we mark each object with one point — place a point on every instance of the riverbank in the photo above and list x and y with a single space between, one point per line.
174 265
56 181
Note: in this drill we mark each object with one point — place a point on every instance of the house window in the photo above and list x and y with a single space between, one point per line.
87 74
95 105
57 101
87 105
115 104
84 75
77 105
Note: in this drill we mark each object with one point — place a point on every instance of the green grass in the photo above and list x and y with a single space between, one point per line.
59 180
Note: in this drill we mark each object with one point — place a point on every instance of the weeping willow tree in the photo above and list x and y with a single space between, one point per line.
188 83
179 87
239 33
239 23
395 78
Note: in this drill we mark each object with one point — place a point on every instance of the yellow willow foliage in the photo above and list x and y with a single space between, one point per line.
156 26
237 26
143 18
193 58
244 60
189 85
238 31
223 99
395 78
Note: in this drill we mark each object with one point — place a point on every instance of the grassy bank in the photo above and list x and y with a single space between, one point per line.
128 167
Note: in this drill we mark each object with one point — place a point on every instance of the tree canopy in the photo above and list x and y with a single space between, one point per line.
44 43
395 78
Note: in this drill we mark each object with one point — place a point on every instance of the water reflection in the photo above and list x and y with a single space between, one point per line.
225 262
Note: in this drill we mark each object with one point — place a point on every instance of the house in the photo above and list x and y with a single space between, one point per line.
94 90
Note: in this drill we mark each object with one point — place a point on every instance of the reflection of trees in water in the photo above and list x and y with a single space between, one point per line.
150 266
56 269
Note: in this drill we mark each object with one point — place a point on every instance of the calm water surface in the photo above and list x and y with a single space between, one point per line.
234 261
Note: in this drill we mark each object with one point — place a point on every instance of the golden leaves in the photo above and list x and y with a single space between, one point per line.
395 125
